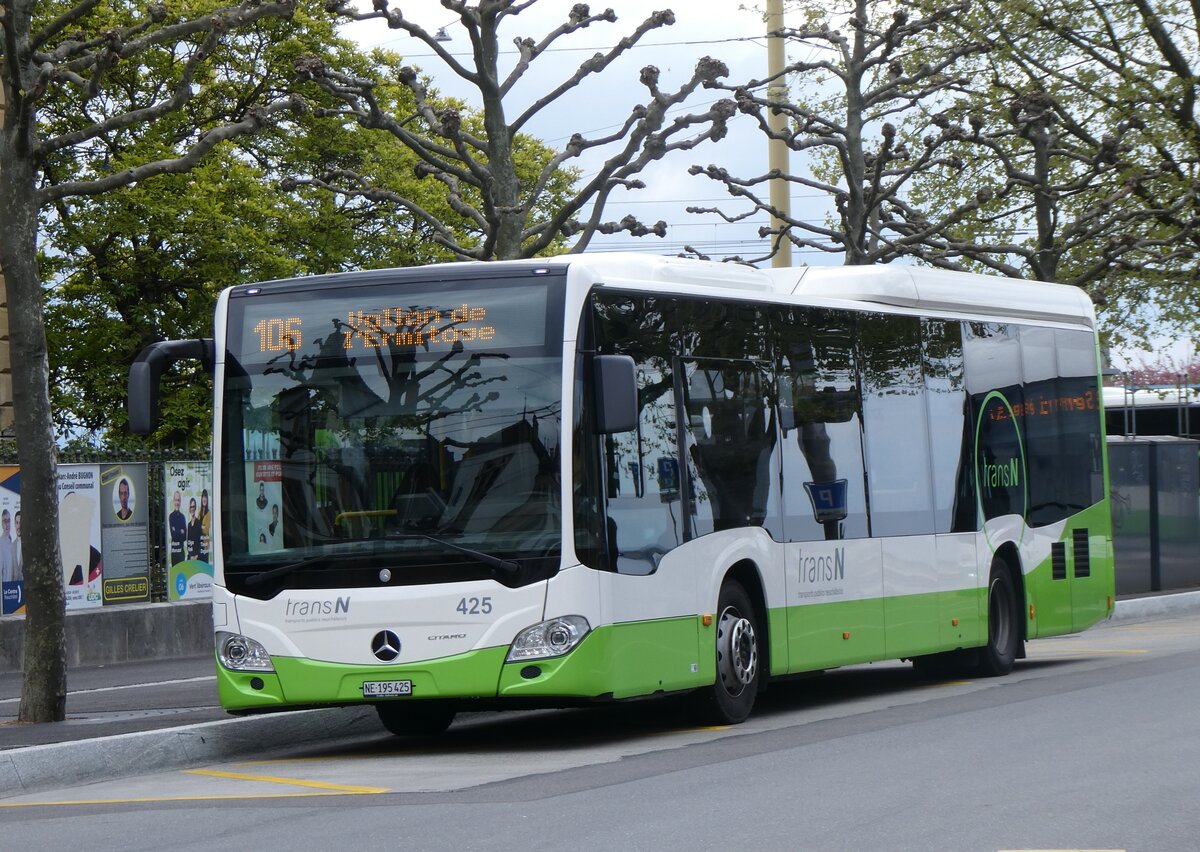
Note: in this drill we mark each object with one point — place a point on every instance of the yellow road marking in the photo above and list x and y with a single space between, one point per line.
326 788
156 799
315 759
296 782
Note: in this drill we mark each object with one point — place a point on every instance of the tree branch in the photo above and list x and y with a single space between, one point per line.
595 65
70 16
253 122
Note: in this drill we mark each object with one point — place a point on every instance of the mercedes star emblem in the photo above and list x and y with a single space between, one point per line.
386 645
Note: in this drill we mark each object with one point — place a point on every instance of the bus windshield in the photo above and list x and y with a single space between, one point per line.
391 434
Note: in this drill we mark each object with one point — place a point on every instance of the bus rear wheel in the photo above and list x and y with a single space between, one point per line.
731 697
415 718
996 658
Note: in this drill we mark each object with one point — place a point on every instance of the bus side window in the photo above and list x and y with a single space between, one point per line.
992 363
731 440
949 426
1062 422
823 481
1082 441
642 492
896 424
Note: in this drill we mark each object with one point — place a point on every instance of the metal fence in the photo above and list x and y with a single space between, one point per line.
1155 489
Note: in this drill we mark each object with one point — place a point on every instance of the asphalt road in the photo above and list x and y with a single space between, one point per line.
1090 744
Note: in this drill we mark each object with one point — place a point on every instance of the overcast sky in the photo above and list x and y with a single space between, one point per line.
723 30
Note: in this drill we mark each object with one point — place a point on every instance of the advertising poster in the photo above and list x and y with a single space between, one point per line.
11 568
264 497
79 534
188 490
124 527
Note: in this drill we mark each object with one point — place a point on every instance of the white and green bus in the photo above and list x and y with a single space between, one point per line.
606 477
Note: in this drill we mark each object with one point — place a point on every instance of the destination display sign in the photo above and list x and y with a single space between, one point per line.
361 323
1046 402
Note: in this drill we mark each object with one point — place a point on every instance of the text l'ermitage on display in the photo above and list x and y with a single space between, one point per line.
375 328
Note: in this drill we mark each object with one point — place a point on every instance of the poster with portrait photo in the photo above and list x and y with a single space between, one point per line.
79 539
124 533
189 527
264 506
12 577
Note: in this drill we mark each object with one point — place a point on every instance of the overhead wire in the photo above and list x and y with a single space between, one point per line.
752 39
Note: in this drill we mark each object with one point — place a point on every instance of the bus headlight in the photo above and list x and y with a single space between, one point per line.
242 654
551 638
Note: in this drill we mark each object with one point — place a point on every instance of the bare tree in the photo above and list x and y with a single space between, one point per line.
84 49
1081 128
864 116
511 214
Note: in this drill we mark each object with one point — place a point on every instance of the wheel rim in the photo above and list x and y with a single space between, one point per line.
737 652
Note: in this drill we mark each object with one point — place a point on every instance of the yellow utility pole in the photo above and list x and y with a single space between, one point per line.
777 149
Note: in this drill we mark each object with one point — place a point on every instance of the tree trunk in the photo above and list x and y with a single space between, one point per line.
43 693
854 163
503 194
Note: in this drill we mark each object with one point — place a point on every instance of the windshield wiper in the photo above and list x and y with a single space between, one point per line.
507 566
283 570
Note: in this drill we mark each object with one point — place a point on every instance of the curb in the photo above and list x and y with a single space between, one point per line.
68 764
1132 609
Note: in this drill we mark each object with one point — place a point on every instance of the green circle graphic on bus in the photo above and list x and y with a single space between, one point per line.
1001 485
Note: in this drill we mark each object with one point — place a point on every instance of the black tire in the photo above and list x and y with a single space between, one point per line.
415 718
996 658
738 656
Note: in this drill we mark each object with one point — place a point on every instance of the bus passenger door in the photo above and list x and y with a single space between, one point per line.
899 453
834 576
729 442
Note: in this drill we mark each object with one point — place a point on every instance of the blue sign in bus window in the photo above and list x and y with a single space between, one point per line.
828 500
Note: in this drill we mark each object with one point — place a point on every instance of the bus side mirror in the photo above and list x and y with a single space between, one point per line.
616 394
146 372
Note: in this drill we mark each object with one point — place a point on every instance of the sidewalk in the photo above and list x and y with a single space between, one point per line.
107 737
119 698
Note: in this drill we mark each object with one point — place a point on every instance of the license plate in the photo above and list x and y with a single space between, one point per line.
386 688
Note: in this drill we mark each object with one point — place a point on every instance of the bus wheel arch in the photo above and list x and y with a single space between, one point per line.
1005 625
740 648
1012 560
747 575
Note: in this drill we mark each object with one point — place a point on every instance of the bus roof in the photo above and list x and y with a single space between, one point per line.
932 291
913 288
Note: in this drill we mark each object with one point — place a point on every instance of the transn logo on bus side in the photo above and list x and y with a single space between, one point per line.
824 568
311 608
1004 475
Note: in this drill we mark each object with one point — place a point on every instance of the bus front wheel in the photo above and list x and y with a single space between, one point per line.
415 718
731 697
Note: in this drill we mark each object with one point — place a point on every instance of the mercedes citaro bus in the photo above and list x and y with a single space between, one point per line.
595 478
